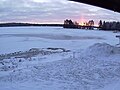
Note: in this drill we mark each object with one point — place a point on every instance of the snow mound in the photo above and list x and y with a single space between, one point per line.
102 49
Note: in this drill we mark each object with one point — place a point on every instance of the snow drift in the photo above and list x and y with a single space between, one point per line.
102 49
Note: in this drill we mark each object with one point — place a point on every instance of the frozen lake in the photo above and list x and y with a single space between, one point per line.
23 38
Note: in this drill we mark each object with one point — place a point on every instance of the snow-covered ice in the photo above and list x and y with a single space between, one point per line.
70 59
24 38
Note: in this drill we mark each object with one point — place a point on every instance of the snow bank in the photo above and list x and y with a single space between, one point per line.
82 72
102 49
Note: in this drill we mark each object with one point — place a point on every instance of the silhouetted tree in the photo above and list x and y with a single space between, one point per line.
100 23
76 23
104 25
118 26
91 23
70 24
110 26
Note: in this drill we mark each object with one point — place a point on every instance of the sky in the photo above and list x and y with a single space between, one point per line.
52 11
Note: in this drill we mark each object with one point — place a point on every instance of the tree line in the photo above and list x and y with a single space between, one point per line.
102 25
109 25
70 24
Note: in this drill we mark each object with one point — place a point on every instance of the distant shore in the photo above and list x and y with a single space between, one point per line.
27 24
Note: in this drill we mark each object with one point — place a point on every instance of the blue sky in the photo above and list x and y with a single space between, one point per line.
52 11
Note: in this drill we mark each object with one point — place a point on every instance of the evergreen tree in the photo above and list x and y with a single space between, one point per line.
104 25
100 24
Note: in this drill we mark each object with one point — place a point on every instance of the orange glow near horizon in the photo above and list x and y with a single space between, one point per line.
82 20
81 23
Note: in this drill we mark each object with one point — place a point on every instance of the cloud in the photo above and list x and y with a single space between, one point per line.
46 11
